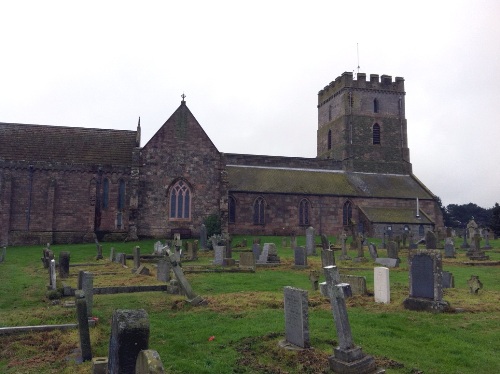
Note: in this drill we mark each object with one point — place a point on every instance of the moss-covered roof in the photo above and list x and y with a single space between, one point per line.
395 215
22 142
323 182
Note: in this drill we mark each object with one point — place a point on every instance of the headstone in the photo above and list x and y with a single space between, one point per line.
373 251
310 246
64 264
327 257
392 249
388 262
129 336
163 270
256 250
79 280
471 229
296 317
142 270
486 241
357 283
430 240
465 244
83 329
219 252
323 289
448 280
247 260
137 258
381 285
112 255
99 253
203 237
314 279
293 241
158 248
272 253
3 254
149 362
88 290
474 284
426 285
343 239
449 248
263 256
347 357
300 257
52 273
99 365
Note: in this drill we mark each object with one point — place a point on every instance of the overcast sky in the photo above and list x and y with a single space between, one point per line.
251 71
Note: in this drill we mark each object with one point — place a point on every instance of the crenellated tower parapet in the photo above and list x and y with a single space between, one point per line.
362 123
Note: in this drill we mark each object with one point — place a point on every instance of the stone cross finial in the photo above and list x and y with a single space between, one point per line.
183 96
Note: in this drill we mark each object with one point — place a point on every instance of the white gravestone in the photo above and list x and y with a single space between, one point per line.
381 285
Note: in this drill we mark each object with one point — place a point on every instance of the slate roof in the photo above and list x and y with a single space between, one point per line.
395 215
324 182
21 142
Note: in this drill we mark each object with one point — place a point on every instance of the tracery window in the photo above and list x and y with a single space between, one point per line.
121 194
105 193
304 212
258 211
232 209
180 201
346 213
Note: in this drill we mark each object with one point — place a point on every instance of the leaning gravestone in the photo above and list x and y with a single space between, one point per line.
426 284
347 357
296 317
83 329
381 285
373 251
163 270
300 257
129 336
263 256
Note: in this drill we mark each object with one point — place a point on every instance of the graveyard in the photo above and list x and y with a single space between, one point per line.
220 313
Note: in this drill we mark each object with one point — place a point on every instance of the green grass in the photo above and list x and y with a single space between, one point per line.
245 315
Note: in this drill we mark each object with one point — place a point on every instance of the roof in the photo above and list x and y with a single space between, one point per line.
21 142
395 215
324 182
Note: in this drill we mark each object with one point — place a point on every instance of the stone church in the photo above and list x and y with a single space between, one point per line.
65 184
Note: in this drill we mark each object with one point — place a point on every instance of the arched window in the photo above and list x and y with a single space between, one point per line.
258 211
105 193
329 139
180 201
121 194
375 106
304 210
347 213
376 133
232 209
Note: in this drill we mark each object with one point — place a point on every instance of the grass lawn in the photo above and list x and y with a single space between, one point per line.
245 316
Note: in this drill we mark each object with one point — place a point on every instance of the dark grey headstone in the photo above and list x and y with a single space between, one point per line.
296 317
422 277
256 250
373 251
449 250
88 290
83 329
129 336
388 262
310 245
137 258
163 270
392 249
430 240
64 264
300 256
448 280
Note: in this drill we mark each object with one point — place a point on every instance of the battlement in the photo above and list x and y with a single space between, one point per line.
376 82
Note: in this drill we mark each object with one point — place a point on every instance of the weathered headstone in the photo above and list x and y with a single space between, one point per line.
64 264
272 253
426 285
99 253
163 270
83 329
357 283
392 249
474 284
373 251
323 289
88 290
143 270
465 244
327 257
381 285
388 262
293 241
314 279
449 248
300 257
219 251
79 279
296 317
343 239
158 248
448 280
129 336
203 237
310 246
149 362
256 250
347 357
247 260
430 240
112 255
263 256
137 258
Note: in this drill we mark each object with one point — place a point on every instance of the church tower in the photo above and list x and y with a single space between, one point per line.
362 124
